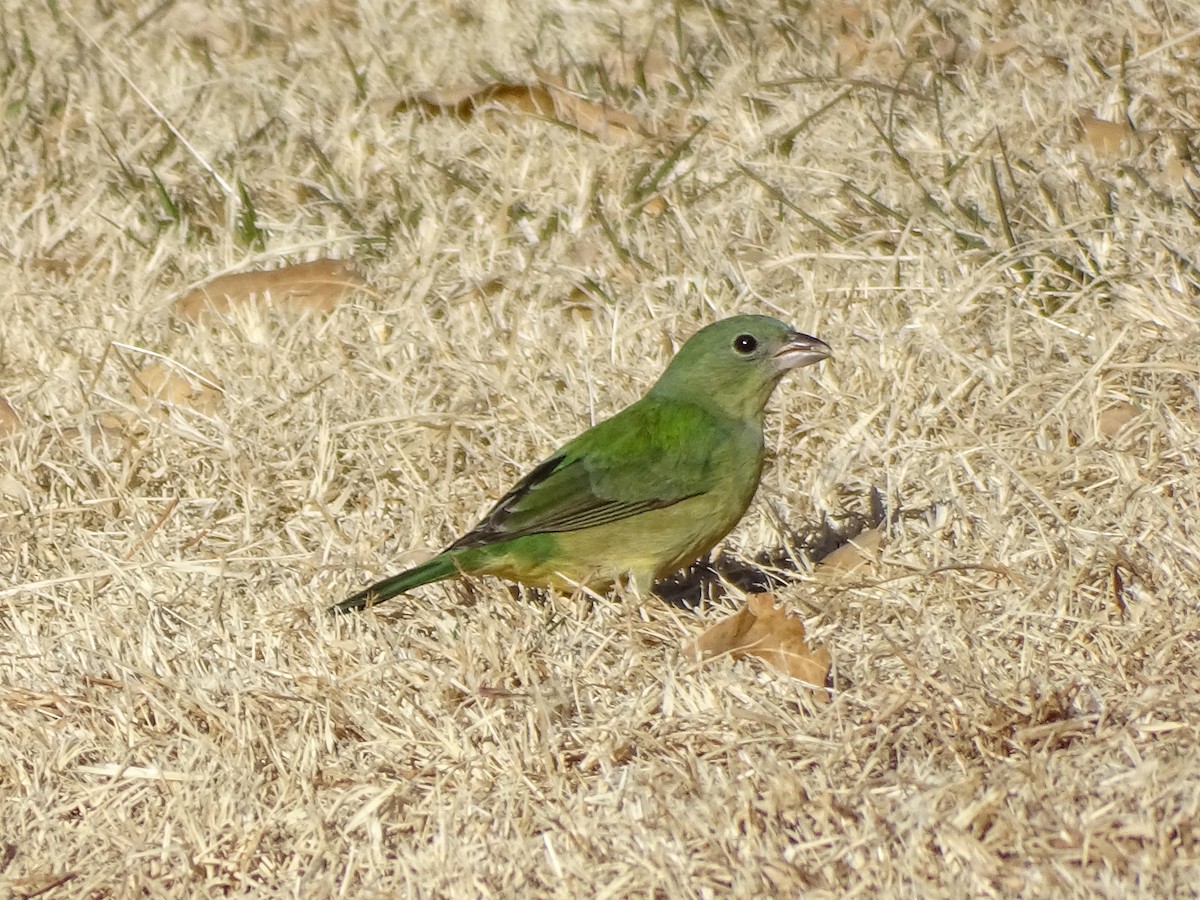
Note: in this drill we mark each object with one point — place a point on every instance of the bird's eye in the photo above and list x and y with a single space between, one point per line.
745 343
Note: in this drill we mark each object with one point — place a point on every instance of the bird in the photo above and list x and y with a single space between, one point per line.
644 493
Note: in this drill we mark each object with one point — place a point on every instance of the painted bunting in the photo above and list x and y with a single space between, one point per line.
645 493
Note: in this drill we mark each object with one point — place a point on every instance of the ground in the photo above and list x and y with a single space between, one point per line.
992 218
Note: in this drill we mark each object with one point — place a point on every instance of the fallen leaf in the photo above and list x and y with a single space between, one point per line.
548 97
850 15
468 99
857 552
107 435
1174 170
598 119
10 422
156 386
1110 422
849 51
315 287
655 206
630 70
1103 137
766 631
949 49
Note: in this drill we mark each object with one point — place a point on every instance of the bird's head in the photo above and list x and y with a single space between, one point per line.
734 364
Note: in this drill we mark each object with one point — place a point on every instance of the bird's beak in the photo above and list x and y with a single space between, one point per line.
801 350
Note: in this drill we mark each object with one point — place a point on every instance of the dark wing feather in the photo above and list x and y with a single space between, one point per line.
650 456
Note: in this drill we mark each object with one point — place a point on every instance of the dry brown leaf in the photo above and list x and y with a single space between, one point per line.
655 206
1104 138
949 49
10 422
629 70
850 15
1110 422
156 386
849 51
1174 170
466 100
548 97
598 119
766 631
107 433
857 552
314 287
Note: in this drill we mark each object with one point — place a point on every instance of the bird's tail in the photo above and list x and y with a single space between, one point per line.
441 566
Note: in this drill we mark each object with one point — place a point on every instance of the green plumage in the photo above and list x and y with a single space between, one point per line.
644 493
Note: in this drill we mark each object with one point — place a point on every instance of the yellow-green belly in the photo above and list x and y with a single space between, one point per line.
643 548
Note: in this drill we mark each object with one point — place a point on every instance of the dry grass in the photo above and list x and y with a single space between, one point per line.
990 216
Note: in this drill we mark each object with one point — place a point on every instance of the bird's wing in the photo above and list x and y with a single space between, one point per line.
652 455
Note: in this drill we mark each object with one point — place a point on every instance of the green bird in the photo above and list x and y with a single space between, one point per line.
643 494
